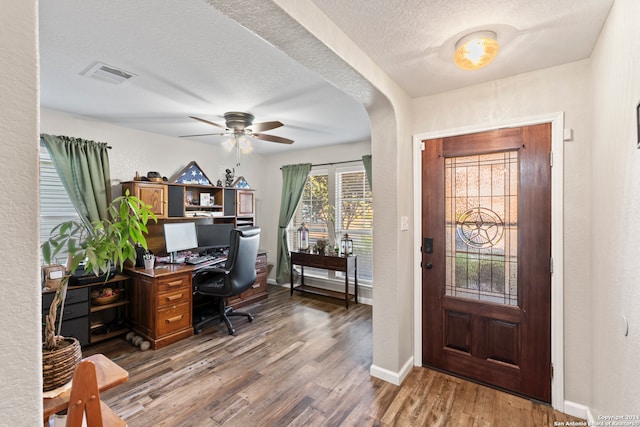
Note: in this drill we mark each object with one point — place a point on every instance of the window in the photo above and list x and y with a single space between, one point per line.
350 211
55 205
354 215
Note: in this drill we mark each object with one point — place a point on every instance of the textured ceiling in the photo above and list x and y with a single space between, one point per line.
190 59
413 40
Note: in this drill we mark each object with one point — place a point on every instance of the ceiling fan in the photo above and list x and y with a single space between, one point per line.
238 126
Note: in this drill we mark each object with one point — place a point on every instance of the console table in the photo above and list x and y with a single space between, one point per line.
346 264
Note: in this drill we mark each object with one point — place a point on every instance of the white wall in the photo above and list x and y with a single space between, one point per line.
20 351
302 31
615 241
565 88
135 150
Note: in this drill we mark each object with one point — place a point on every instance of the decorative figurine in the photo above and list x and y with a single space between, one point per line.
229 177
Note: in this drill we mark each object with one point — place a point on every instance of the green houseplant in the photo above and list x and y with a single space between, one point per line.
105 243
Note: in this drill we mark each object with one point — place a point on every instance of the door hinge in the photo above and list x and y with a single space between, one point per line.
552 371
422 146
551 265
551 158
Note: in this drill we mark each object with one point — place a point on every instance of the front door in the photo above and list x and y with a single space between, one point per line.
486 258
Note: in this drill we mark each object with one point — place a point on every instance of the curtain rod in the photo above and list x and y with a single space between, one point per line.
334 163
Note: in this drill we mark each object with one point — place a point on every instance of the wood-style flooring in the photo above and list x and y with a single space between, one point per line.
303 361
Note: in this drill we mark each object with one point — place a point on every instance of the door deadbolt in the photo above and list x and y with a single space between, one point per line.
428 266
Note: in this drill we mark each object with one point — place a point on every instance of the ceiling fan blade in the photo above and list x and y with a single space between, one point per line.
261 127
203 134
272 138
207 122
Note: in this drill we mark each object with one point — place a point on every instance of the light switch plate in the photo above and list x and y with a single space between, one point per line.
404 223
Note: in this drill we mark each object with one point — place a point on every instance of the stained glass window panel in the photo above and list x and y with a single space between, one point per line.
481 225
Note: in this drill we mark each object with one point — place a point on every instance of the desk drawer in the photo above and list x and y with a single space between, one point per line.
173 318
174 297
259 287
261 268
73 296
175 283
321 261
261 261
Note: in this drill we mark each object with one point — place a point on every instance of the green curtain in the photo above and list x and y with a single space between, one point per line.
83 167
293 180
366 161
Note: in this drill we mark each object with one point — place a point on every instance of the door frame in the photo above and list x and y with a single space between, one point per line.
557 248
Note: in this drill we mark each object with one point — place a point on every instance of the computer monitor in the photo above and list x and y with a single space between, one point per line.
214 236
179 236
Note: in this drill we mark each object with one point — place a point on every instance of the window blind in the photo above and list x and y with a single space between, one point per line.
55 205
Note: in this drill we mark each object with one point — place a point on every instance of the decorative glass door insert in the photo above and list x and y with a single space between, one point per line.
481 226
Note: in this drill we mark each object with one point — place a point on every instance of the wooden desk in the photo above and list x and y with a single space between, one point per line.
336 263
161 308
108 373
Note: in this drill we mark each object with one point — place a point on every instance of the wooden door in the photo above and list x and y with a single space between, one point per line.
486 279
156 196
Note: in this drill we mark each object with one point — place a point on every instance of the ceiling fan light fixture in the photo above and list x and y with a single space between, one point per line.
245 145
228 144
476 50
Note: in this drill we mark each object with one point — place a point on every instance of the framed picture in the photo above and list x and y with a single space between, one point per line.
205 199
188 197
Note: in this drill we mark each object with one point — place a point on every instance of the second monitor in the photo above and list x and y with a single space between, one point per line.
214 236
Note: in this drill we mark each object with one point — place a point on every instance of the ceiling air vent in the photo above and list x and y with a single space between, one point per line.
107 73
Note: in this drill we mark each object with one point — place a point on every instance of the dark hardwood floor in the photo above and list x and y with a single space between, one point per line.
303 361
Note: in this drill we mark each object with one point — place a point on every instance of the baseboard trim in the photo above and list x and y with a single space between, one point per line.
394 378
578 410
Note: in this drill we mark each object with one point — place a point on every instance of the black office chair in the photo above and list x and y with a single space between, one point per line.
238 275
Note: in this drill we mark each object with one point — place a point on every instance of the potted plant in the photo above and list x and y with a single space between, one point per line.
105 243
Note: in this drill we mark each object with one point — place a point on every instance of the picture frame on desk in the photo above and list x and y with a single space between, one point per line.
188 197
205 199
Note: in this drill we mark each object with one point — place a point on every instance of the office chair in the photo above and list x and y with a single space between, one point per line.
238 275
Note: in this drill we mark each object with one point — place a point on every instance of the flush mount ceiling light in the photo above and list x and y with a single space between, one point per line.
475 50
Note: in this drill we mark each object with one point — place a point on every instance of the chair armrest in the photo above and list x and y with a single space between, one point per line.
212 270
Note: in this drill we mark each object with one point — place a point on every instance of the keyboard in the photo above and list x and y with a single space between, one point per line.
208 259
195 260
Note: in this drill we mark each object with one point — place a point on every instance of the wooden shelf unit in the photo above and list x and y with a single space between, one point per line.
231 206
81 315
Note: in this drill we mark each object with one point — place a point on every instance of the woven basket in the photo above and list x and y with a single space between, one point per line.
58 365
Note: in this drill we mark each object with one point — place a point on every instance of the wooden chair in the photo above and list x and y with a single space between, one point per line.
85 399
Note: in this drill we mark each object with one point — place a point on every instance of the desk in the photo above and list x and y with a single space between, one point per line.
108 374
161 308
346 264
